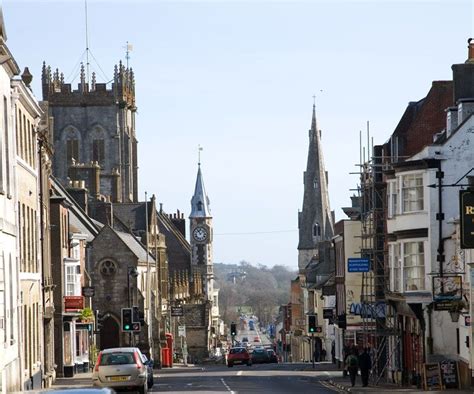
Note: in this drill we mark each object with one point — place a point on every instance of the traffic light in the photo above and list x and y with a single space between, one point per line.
311 324
127 320
135 314
233 329
99 320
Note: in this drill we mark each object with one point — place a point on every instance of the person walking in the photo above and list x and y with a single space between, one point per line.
365 364
352 365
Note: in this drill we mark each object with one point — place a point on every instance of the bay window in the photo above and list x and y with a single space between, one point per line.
412 193
413 266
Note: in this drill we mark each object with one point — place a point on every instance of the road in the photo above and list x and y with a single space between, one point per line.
265 378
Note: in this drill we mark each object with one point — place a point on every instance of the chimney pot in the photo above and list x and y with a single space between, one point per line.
470 54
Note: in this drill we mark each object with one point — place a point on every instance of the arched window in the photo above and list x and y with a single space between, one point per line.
316 230
199 205
108 268
98 144
72 139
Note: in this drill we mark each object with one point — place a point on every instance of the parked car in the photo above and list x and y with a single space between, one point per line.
272 355
83 390
121 369
260 356
238 355
149 367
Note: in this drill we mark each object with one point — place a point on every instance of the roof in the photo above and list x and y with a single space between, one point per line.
200 202
135 246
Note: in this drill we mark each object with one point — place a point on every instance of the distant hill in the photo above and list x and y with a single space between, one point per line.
244 286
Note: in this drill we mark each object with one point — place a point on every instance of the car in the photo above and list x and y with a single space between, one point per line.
121 368
84 390
272 355
260 356
245 339
149 367
256 339
238 355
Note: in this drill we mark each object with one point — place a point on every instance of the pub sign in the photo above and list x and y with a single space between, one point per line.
466 204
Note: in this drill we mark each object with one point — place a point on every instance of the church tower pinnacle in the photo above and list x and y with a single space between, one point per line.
201 233
315 221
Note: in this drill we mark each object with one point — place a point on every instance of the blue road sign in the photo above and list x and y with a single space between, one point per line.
358 265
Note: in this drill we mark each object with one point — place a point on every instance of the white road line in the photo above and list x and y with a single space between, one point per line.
240 373
227 386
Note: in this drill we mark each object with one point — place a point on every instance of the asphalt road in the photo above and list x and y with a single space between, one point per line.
265 378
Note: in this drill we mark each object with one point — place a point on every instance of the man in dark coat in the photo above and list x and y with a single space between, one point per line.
365 365
352 365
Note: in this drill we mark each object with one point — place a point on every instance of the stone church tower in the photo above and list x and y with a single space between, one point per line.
201 236
315 221
95 144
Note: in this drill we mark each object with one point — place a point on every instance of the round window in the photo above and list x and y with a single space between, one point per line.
108 268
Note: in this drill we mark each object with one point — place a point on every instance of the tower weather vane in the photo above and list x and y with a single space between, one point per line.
200 148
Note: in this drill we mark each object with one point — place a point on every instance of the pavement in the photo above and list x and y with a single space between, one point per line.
343 383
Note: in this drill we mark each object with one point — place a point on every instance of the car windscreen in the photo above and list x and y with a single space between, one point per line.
117 359
237 350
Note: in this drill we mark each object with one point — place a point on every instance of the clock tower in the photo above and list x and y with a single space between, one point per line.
201 236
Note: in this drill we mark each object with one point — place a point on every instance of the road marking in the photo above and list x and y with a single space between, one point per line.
227 386
240 373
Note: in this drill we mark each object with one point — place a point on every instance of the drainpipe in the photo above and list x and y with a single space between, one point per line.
440 218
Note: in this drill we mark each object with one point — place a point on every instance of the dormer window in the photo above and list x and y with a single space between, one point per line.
199 206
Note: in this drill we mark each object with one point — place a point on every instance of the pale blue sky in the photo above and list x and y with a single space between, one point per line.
237 77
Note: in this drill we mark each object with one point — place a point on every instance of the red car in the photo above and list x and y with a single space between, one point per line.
238 355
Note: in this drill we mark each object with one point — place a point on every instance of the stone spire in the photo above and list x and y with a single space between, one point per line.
200 202
3 33
315 222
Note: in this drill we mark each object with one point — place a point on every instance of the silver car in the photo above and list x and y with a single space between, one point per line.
121 368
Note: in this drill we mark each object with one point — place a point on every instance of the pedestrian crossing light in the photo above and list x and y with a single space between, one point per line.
233 329
311 324
127 320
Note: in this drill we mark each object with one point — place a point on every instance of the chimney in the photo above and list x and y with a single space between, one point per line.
180 223
470 52
451 120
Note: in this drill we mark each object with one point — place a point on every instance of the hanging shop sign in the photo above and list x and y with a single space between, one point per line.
466 214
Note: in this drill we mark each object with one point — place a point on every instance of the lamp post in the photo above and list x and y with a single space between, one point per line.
131 271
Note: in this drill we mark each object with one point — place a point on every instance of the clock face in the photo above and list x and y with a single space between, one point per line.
200 234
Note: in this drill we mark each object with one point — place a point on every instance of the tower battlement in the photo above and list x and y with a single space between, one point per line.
57 92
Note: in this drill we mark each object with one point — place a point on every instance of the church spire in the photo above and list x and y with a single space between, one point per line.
315 221
200 202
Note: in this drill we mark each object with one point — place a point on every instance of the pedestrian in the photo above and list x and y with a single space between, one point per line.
323 354
333 352
352 365
365 364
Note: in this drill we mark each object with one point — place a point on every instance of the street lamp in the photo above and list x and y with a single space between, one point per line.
131 271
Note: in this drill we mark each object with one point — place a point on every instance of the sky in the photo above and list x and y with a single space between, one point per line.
238 78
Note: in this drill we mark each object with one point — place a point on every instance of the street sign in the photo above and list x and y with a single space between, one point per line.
88 291
327 313
358 265
182 331
466 214
177 311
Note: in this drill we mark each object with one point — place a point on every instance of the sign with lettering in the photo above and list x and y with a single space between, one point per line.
450 374
358 265
327 313
433 377
181 331
73 303
466 214
177 311
88 291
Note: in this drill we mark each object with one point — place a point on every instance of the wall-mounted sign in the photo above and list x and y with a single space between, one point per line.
181 331
177 311
327 313
88 291
466 213
447 288
73 303
358 265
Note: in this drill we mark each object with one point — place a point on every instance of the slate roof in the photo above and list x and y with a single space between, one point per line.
136 247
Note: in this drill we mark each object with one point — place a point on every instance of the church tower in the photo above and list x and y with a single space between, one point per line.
315 221
201 236
95 145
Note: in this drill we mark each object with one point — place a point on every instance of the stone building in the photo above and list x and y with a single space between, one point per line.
27 117
316 228
94 133
10 365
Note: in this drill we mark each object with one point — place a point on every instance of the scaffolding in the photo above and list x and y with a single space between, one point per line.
378 317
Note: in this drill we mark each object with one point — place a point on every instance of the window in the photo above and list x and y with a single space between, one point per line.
393 199
7 147
98 151
199 206
412 192
72 149
413 266
316 230
72 279
396 267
